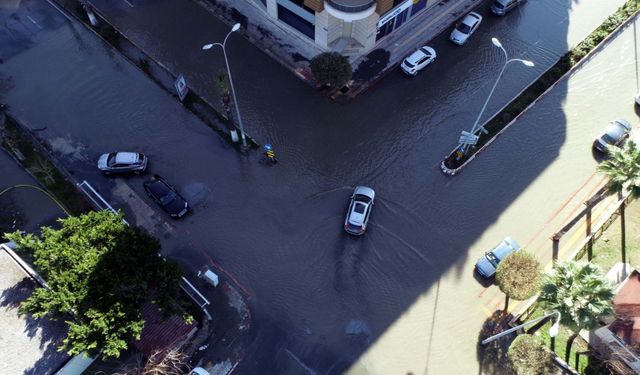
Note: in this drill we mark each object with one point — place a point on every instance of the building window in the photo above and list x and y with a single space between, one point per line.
297 22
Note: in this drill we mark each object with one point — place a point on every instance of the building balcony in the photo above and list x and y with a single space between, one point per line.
350 10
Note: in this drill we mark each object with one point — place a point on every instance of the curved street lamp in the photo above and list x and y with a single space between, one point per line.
553 330
507 61
223 45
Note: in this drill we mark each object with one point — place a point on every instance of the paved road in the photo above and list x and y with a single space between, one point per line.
390 301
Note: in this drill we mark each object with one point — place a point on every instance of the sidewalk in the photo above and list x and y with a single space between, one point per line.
294 51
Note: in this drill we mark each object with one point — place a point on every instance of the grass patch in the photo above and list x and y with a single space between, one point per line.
23 148
607 249
551 76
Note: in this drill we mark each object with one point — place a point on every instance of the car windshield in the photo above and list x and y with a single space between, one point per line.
492 258
359 208
464 28
168 198
498 5
363 198
608 139
111 160
407 63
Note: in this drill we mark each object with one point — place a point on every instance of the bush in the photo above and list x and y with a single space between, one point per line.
528 356
331 68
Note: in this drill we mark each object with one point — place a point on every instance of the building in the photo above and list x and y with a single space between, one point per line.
352 27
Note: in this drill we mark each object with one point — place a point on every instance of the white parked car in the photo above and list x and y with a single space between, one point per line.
418 60
465 28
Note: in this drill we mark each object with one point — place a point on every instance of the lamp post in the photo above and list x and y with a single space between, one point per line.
476 127
235 28
553 331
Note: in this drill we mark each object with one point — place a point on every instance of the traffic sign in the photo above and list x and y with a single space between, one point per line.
181 87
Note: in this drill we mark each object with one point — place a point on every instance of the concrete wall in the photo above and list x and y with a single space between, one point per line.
364 31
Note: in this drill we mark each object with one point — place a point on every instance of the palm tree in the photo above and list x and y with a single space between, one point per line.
518 276
580 292
623 170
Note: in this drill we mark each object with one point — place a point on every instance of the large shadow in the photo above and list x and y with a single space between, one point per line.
322 300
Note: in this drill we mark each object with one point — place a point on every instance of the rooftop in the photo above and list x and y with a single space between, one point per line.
29 346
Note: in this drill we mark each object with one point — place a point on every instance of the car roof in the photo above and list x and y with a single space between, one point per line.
615 129
415 56
471 18
126 157
356 217
157 186
505 247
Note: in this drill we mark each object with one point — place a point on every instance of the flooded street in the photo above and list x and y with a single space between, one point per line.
403 297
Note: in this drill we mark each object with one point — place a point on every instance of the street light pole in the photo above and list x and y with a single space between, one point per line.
507 61
553 331
223 45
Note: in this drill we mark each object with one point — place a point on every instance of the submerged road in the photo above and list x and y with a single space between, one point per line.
403 297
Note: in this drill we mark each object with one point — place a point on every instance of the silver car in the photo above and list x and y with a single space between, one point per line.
613 135
418 60
465 28
359 210
122 162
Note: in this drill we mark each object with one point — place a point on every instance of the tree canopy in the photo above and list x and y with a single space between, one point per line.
518 275
99 272
331 68
623 169
528 355
579 291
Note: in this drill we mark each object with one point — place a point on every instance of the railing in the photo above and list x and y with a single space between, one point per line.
96 199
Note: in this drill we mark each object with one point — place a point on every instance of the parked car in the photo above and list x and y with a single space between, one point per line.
487 265
359 210
122 162
465 28
501 7
613 135
638 98
166 196
418 60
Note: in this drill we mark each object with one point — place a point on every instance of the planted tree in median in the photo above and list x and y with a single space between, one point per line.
518 276
331 68
528 355
580 292
623 170
99 271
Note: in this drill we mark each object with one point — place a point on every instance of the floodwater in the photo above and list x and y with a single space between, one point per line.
400 299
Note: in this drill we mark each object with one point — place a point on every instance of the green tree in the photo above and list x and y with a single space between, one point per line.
528 355
99 271
623 170
518 276
580 292
331 68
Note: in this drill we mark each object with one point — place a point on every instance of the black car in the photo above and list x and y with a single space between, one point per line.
166 196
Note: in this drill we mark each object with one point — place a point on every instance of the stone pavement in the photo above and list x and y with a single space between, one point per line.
294 51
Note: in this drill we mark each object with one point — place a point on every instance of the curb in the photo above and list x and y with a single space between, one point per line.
566 75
